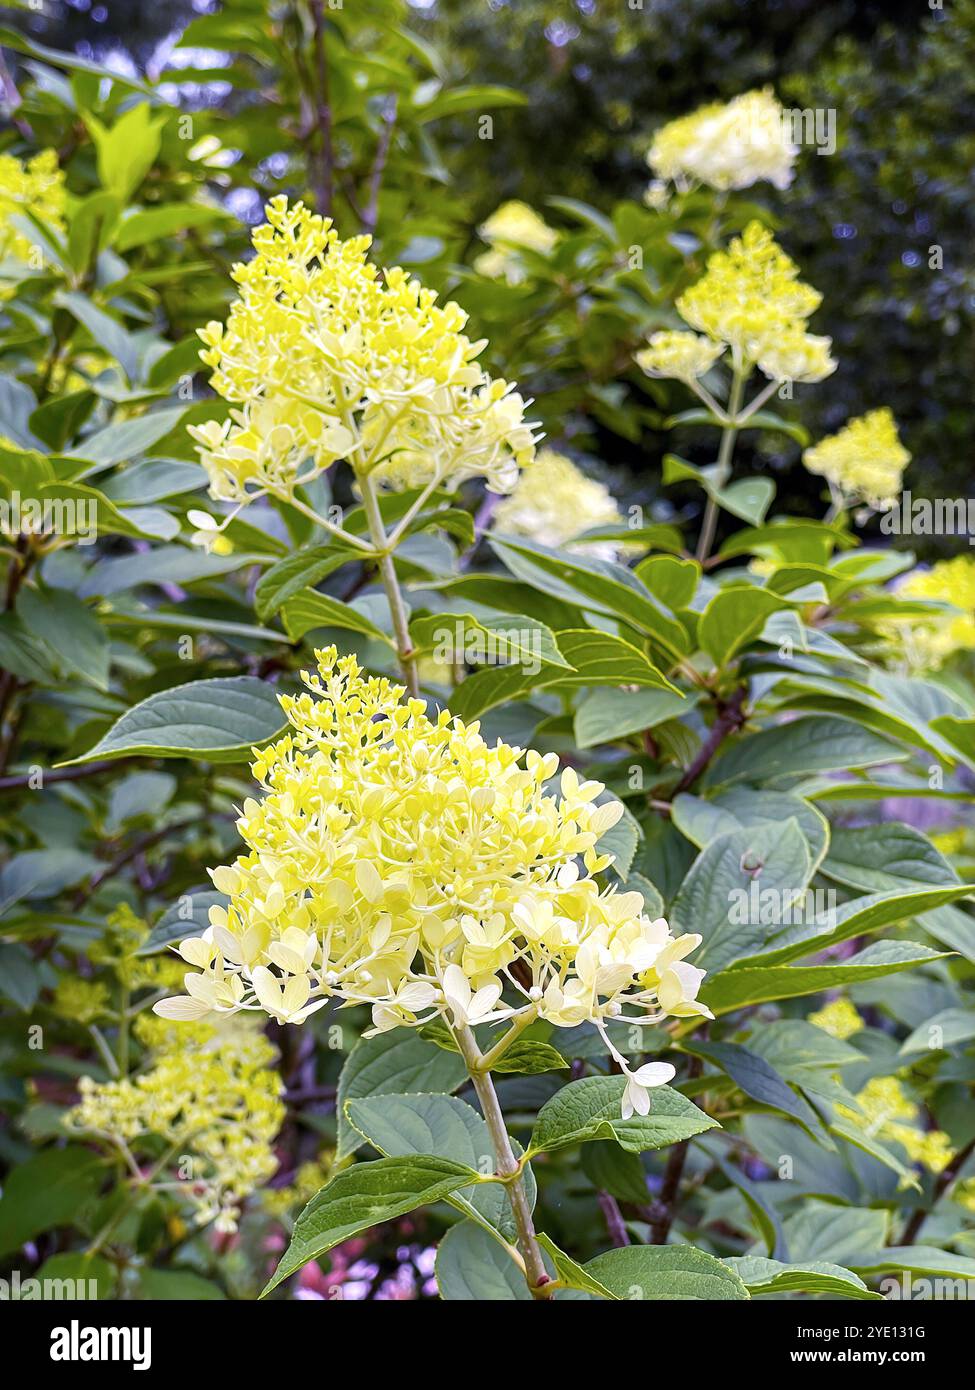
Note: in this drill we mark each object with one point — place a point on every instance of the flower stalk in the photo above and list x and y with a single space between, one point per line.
508 1166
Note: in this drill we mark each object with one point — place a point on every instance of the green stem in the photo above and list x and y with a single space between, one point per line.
536 1273
387 573
518 1026
723 473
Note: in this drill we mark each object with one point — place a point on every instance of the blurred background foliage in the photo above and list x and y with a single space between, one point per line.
588 85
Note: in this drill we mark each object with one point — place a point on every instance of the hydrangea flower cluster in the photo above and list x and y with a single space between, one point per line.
513 227
211 1095
930 641
324 357
554 502
839 1018
888 1112
751 300
865 460
401 862
727 146
36 186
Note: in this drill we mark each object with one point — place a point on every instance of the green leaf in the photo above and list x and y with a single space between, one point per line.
471 1267
733 618
761 1276
942 1032
190 916
725 893
919 1260
665 1272
302 570
20 975
462 637
572 1275
960 733
759 1080
309 610
42 873
702 820
214 720
178 1286
70 628
393 1064
811 744
400 1125
596 585
363 1196
126 152
151 224
92 1269
734 989
106 331
670 579
877 858
128 439
612 1169
45 1192
526 1057
604 716
599 658
590 1109
823 1231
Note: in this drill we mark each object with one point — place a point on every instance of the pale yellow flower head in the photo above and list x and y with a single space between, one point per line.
683 356
865 460
888 1112
36 186
325 357
931 641
727 145
839 1018
554 502
400 861
512 227
751 298
212 1094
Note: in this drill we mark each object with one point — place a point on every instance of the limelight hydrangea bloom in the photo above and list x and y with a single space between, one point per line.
554 502
401 862
325 358
864 460
36 186
727 146
751 299
839 1018
512 227
930 641
217 1101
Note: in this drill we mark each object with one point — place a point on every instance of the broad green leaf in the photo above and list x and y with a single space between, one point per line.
670 579
942 1032
815 932
590 1109
42 873
604 716
215 720
70 629
527 1057
740 888
920 1261
362 1196
178 1286
99 1278
824 1231
107 332
309 610
399 1125
734 989
703 819
596 585
759 1080
393 1064
960 733
46 1191
877 858
665 1272
472 1267
812 744
151 224
304 569
612 1169
863 1138
126 151
509 639
761 1276
599 658
733 618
